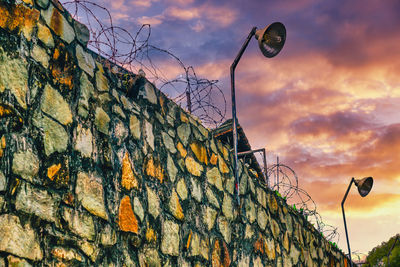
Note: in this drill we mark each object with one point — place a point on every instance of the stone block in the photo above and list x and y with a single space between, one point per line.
18 239
54 105
89 191
170 238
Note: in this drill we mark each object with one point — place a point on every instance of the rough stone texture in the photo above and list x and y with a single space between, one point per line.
16 262
227 207
214 178
102 120
85 60
153 203
134 126
84 141
150 93
89 191
212 199
262 218
138 208
197 192
3 182
38 202
82 33
181 189
171 168
149 134
209 216
57 22
225 229
170 238
40 55
193 167
101 80
44 35
79 223
149 257
19 239
184 133
54 135
168 142
175 206
54 105
14 76
25 164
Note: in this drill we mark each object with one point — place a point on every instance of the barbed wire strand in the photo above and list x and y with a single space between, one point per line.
133 52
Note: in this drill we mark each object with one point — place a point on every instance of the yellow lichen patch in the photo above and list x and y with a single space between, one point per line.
175 206
151 236
29 2
189 239
162 104
61 66
52 171
200 152
225 152
181 150
213 159
129 180
18 18
153 168
220 255
222 165
2 145
5 111
15 186
126 218
45 35
184 118
58 174
193 167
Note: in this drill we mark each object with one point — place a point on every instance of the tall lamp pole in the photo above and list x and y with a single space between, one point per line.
364 186
270 40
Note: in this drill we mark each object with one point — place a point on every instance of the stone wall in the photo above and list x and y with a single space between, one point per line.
97 167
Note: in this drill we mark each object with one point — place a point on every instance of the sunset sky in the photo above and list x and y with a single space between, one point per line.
328 105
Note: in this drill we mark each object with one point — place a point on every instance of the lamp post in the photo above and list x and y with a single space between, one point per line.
364 186
270 41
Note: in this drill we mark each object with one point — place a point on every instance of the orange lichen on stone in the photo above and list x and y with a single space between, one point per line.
56 22
151 236
61 66
2 145
58 174
200 152
68 198
153 168
220 255
129 180
52 170
213 159
162 104
126 218
259 244
189 239
184 118
5 111
222 165
181 149
18 17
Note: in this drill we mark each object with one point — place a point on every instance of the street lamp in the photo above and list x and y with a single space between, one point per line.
364 186
270 40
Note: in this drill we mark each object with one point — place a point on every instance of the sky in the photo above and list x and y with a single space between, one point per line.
328 105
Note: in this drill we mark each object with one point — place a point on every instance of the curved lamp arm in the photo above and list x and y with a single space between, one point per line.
344 219
234 119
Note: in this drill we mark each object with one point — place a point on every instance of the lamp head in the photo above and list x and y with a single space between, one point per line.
271 39
364 185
